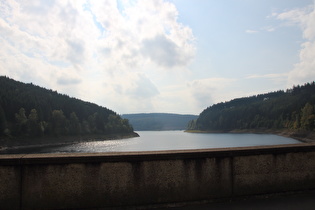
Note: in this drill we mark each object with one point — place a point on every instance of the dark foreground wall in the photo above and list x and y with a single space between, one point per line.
61 181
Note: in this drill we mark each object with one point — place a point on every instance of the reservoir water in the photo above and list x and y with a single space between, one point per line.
163 140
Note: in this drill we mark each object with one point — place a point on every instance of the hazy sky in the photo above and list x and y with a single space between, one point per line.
177 56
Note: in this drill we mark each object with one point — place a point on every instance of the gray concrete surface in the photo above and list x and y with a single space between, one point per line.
92 181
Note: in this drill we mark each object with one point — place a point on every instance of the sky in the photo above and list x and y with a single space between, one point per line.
147 56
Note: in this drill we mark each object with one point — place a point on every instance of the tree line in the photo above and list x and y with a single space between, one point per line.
293 109
159 121
32 111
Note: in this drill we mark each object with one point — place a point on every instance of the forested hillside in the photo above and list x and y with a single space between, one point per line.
159 121
27 110
292 109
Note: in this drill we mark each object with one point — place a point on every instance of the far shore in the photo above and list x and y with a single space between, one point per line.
27 142
303 136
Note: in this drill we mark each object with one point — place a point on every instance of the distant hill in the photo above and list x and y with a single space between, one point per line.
30 111
293 109
159 121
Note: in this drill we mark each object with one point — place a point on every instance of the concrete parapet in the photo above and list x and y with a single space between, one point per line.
63 181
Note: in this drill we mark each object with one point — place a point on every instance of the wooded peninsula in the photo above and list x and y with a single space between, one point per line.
31 113
290 113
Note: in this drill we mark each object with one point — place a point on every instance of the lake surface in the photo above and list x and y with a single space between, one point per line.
163 140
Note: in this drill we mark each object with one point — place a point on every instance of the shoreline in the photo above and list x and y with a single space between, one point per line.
303 136
59 141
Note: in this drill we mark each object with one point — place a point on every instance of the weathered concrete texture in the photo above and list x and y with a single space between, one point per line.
10 182
125 183
9 187
71 181
274 173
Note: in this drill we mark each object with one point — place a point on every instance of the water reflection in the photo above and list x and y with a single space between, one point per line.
164 140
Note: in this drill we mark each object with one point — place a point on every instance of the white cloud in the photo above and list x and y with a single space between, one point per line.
163 52
262 29
274 77
249 31
140 87
209 91
68 80
304 71
148 29
269 28
101 49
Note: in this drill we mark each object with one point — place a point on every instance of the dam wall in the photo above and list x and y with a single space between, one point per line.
105 180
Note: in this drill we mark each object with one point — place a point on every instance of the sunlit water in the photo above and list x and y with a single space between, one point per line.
165 140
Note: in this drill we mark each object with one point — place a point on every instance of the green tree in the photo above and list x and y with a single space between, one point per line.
74 127
192 125
33 125
58 123
116 124
85 128
92 122
43 128
296 120
307 117
3 122
126 127
21 122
